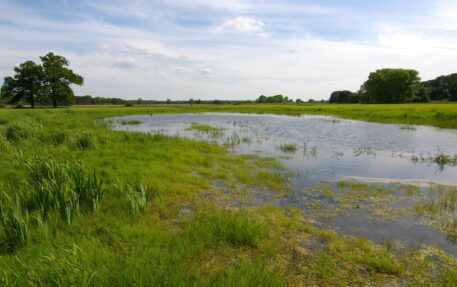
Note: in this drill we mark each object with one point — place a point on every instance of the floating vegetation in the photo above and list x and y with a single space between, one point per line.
408 128
309 151
213 132
338 155
288 148
441 159
131 122
364 150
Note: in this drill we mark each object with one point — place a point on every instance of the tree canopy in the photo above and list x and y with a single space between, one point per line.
341 97
390 86
442 88
278 99
49 81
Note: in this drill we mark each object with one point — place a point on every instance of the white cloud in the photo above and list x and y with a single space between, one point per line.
240 24
125 63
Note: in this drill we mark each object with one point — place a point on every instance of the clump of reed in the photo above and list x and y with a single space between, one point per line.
288 148
50 187
14 221
15 133
85 141
131 122
441 159
137 196
309 150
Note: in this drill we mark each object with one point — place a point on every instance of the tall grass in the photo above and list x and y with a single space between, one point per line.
137 196
14 221
85 141
230 227
88 189
50 187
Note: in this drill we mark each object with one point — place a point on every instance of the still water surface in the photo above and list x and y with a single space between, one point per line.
324 148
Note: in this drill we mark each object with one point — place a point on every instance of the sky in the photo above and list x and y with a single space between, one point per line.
237 49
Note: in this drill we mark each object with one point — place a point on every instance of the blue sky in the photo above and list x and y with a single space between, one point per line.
238 49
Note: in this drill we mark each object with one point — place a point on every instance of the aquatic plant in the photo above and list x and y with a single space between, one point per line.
288 148
131 122
364 150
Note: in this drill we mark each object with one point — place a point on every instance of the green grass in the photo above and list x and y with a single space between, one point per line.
83 205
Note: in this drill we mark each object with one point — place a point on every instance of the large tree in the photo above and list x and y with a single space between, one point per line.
390 86
58 78
25 85
342 97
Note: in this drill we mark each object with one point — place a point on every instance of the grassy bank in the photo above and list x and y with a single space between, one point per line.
442 115
82 205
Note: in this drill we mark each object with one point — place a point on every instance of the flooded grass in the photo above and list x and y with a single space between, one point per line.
213 243
288 148
131 122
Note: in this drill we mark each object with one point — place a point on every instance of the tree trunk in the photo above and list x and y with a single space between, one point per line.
54 99
32 102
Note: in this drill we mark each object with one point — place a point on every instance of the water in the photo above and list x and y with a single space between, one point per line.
330 149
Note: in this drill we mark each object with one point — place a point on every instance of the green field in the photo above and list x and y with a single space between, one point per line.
82 205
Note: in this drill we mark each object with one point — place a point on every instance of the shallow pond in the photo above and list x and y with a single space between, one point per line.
323 148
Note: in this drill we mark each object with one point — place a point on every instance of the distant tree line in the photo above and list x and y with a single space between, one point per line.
391 86
277 99
441 88
47 83
89 100
344 97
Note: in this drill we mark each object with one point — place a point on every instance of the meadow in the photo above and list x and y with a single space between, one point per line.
84 205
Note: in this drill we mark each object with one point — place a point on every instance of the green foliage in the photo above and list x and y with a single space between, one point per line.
39 83
389 86
442 88
343 97
278 99
27 83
